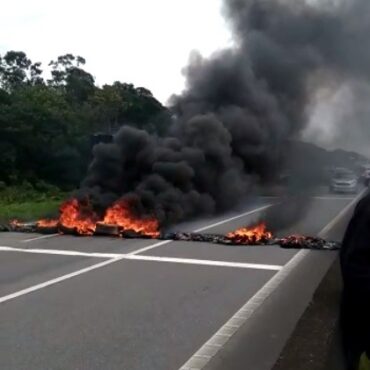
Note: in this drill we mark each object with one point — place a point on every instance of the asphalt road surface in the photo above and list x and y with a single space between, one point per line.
76 303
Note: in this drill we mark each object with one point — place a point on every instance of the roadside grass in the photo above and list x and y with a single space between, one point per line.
29 211
24 203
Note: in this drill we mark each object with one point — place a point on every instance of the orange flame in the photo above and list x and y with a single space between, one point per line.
47 223
121 215
252 234
77 216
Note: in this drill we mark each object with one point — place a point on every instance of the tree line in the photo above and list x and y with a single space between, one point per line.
47 124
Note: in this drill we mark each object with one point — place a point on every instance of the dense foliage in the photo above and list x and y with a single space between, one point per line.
47 125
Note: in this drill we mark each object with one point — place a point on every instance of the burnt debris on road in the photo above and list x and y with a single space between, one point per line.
248 236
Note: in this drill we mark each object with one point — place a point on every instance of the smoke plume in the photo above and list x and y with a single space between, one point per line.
233 122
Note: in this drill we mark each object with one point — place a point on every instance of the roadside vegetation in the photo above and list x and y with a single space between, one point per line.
25 202
49 125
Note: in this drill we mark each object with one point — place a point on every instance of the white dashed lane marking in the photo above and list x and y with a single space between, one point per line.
39 238
51 282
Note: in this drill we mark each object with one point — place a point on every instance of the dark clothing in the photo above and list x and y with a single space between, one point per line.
355 264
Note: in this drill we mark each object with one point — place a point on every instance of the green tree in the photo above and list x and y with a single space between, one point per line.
16 70
46 128
68 75
106 105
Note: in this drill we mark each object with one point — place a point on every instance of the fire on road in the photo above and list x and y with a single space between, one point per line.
162 302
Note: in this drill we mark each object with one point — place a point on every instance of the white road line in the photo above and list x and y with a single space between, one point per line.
150 247
320 197
39 238
156 245
60 252
56 281
119 256
249 213
190 261
341 214
127 257
202 357
334 198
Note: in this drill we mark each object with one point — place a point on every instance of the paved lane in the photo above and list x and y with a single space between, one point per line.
134 314
117 318
19 270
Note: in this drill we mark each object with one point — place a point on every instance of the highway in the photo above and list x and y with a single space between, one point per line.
94 303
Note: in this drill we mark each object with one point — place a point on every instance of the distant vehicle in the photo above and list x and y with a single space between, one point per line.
366 177
344 181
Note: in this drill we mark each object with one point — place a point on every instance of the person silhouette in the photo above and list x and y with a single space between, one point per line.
355 306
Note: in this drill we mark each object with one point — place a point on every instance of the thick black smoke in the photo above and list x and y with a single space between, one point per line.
233 122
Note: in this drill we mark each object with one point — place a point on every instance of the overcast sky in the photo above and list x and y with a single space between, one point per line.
145 42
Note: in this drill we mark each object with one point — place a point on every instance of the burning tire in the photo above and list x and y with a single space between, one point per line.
107 230
47 230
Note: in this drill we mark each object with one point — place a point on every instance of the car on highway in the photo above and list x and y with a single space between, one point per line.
366 177
344 181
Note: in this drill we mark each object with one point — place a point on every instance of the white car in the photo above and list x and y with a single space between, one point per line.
366 177
344 181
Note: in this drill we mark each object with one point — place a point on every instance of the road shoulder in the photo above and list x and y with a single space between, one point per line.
310 344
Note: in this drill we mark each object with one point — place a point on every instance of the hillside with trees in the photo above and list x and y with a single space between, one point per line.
47 124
